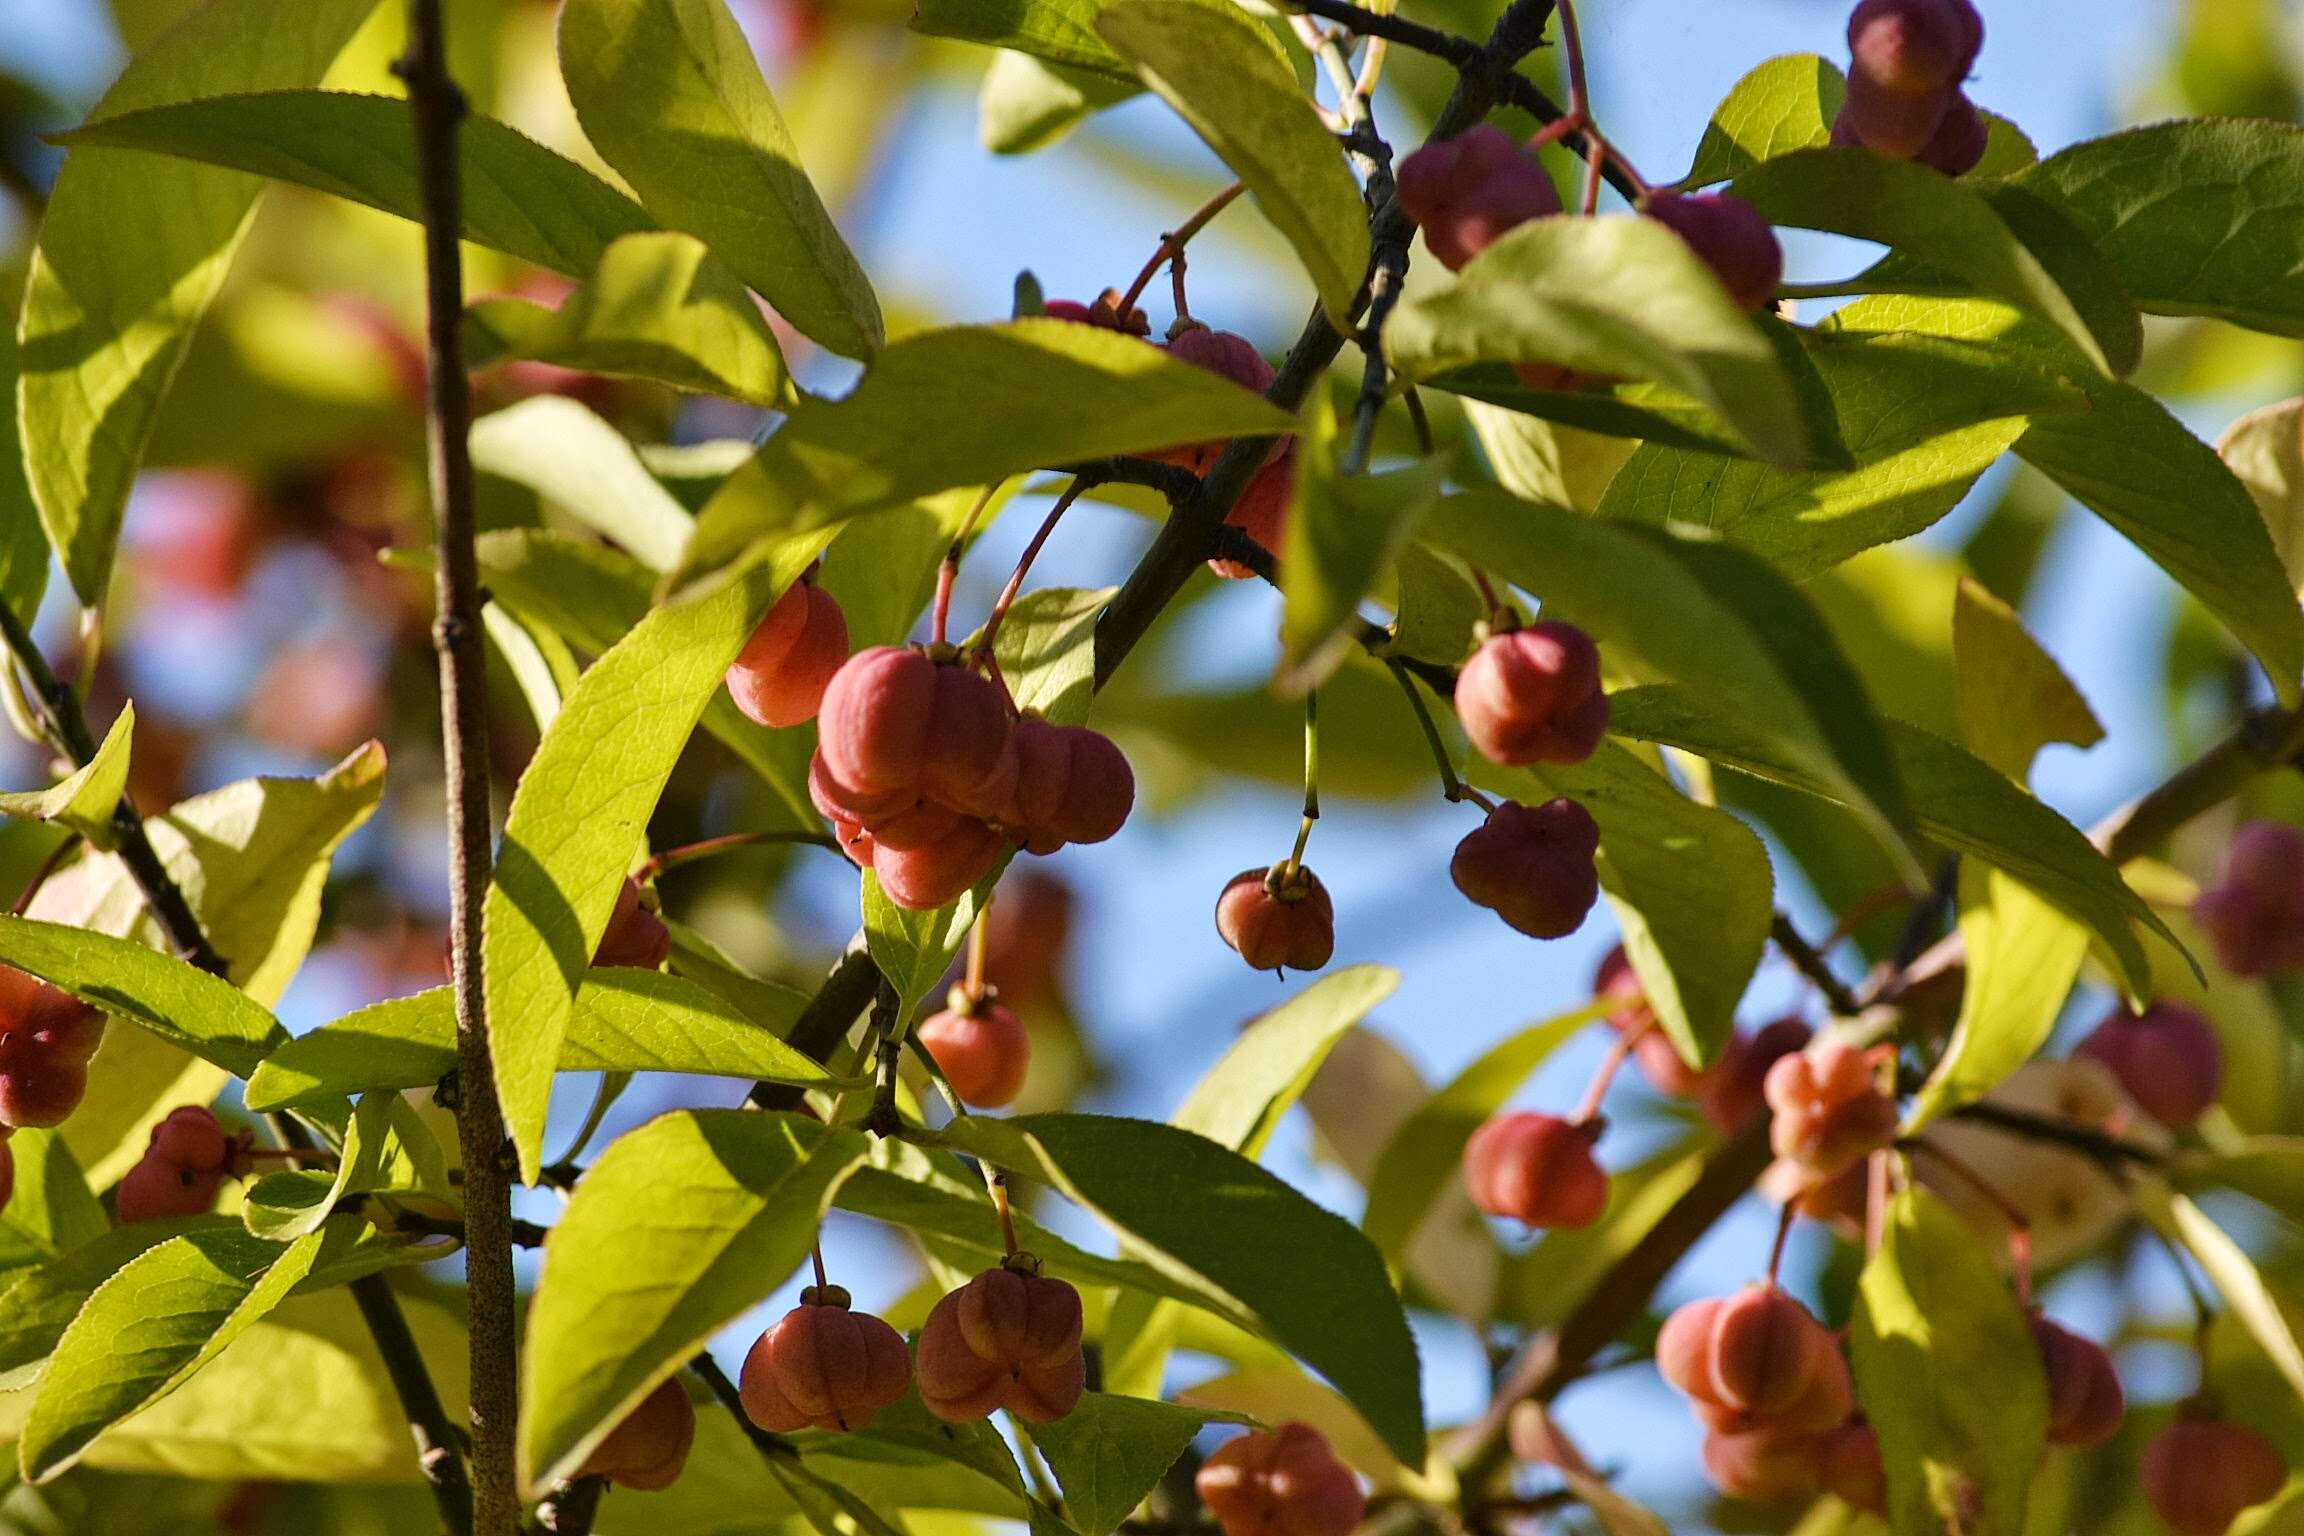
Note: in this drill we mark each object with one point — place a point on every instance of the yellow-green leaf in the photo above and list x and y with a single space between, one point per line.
86 800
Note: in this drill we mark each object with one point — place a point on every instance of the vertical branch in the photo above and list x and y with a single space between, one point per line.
437 108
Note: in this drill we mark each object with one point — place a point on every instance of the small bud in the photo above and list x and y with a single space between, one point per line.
1536 1169
647 1450
1532 866
1008 1340
779 678
1277 919
1285 1483
2167 1058
1534 696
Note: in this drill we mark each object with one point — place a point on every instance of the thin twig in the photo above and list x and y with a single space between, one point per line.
771 1447
436 111
689 853
1172 244
1812 965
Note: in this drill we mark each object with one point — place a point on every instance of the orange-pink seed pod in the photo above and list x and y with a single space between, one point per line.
1536 1169
1007 1339
1533 696
928 857
635 937
1072 786
1828 1108
2198 1474
1466 192
1770 1360
1277 924
43 1074
1850 1467
1228 356
647 1450
779 678
895 720
1893 123
1729 236
983 1050
1288 1482
1914 47
822 1366
156 1188
2085 1402
191 1138
2168 1058
1532 866
1733 1088
1762 1465
1261 512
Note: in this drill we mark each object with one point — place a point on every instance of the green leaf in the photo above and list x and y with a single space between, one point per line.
147 1329
52 1207
972 405
170 997
1947 1371
386 1146
1239 1101
1956 800
914 949
2136 466
519 197
658 306
625 1020
2198 218
2231 1271
566 454
2265 451
581 811
1224 75
1047 650
1617 296
2266 1168
1059 31
1922 416
1948 226
882 569
670 94
1109 1452
1649 412
1709 617
1027 103
1210 1219
1343 530
1690 886
725 1204
23 541
2013 698
85 801
37 1305
131 251
1427 1150
1783 104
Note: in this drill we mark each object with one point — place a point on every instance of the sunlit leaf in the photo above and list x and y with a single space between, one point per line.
1342 531
566 454
1783 104
170 997
85 800
1108 1452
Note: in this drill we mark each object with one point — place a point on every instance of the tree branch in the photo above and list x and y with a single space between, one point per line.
436 108
1812 965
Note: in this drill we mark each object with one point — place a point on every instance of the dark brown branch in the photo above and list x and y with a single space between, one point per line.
825 1022
1812 965
1184 539
772 1447
2116 1155
436 109
437 1449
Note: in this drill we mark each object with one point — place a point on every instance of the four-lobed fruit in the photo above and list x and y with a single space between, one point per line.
1261 512
896 721
1756 1360
1228 355
1278 919
2085 1402
2167 1058
1533 695
1008 1339
2255 917
822 1366
1466 191
1532 866
635 936
185 1163
46 1039
647 1450
1072 786
982 1048
779 678
2198 1474
1283 1482
1729 236
1536 1169
1734 1089
1907 60
1829 1109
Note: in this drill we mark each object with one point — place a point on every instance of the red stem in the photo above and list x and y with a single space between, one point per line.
1023 566
1172 249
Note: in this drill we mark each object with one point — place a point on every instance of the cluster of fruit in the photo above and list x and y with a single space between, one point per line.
923 764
